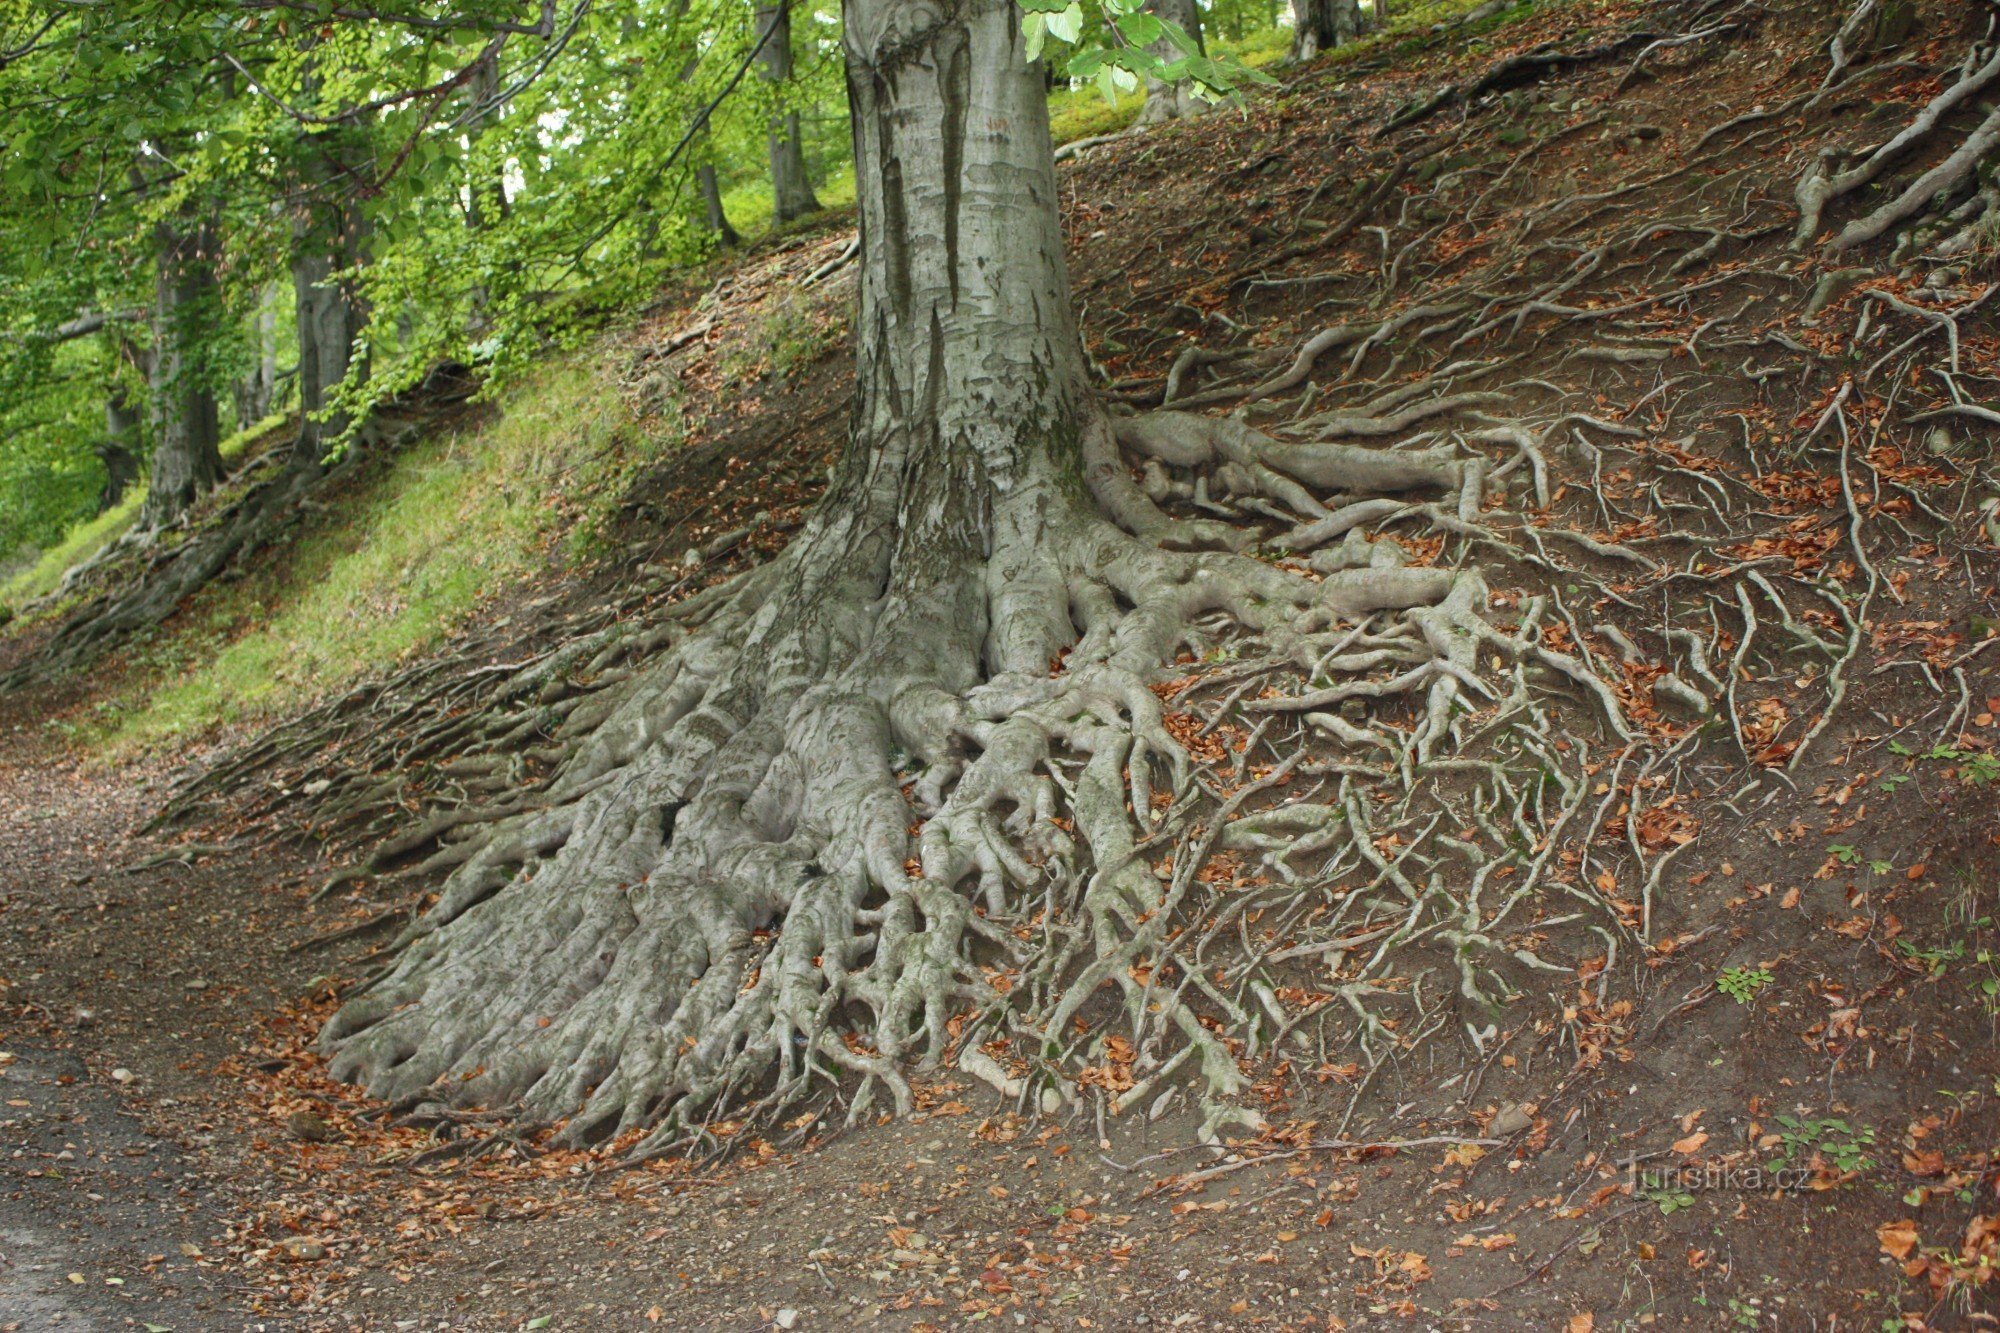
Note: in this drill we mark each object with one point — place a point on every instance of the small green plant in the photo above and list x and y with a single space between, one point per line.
1934 957
1980 770
1664 1193
1845 853
1844 1147
1988 986
1741 984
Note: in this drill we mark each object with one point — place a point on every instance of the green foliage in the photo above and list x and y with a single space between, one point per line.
1665 1192
1115 48
493 188
91 535
1741 984
1839 1143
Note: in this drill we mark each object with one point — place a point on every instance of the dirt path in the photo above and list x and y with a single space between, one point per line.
101 1205
156 1174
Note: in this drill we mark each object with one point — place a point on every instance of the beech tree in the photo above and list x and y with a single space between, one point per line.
1321 25
187 462
791 189
719 904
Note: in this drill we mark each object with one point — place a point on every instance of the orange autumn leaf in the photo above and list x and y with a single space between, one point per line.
1898 1238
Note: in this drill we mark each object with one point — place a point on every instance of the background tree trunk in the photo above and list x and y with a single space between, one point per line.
1321 25
487 187
1171 101
186 462
712 215
329 239
791 192
119 451
256 392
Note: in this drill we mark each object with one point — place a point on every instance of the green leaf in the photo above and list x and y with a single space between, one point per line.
1035 27
1085 63
1140 29
1067 25
1178 35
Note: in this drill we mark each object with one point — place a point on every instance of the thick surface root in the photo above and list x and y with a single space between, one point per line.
1302 735
831 836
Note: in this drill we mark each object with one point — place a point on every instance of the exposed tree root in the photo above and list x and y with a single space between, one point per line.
793 855
1327 727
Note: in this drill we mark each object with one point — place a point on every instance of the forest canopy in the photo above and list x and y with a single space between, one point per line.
476 183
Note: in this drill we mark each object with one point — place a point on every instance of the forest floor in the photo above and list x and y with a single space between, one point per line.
1778 1107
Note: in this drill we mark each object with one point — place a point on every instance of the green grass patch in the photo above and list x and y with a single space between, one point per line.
748 205
91 536
1083 112
403 559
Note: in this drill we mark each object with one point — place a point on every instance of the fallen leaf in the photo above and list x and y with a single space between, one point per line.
1898 1238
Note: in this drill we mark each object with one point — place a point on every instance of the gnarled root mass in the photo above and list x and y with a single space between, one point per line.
1240 743
862 817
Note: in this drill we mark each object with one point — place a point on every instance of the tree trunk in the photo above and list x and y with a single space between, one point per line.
791 192
712 215
186 462
119 451
1321 25
1172 101
329 238
486 203
256 392
486 190
768 864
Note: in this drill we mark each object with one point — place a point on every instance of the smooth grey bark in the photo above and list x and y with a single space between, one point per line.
713 217
186 461
1321 25
329 240
791 191
1172 101
257 391
119 451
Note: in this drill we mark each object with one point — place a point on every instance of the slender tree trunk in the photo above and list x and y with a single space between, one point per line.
329 239
486 203
487 189
712 215
119 451
713 218
186 462
1172 101
791 192
256 391
1321 25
